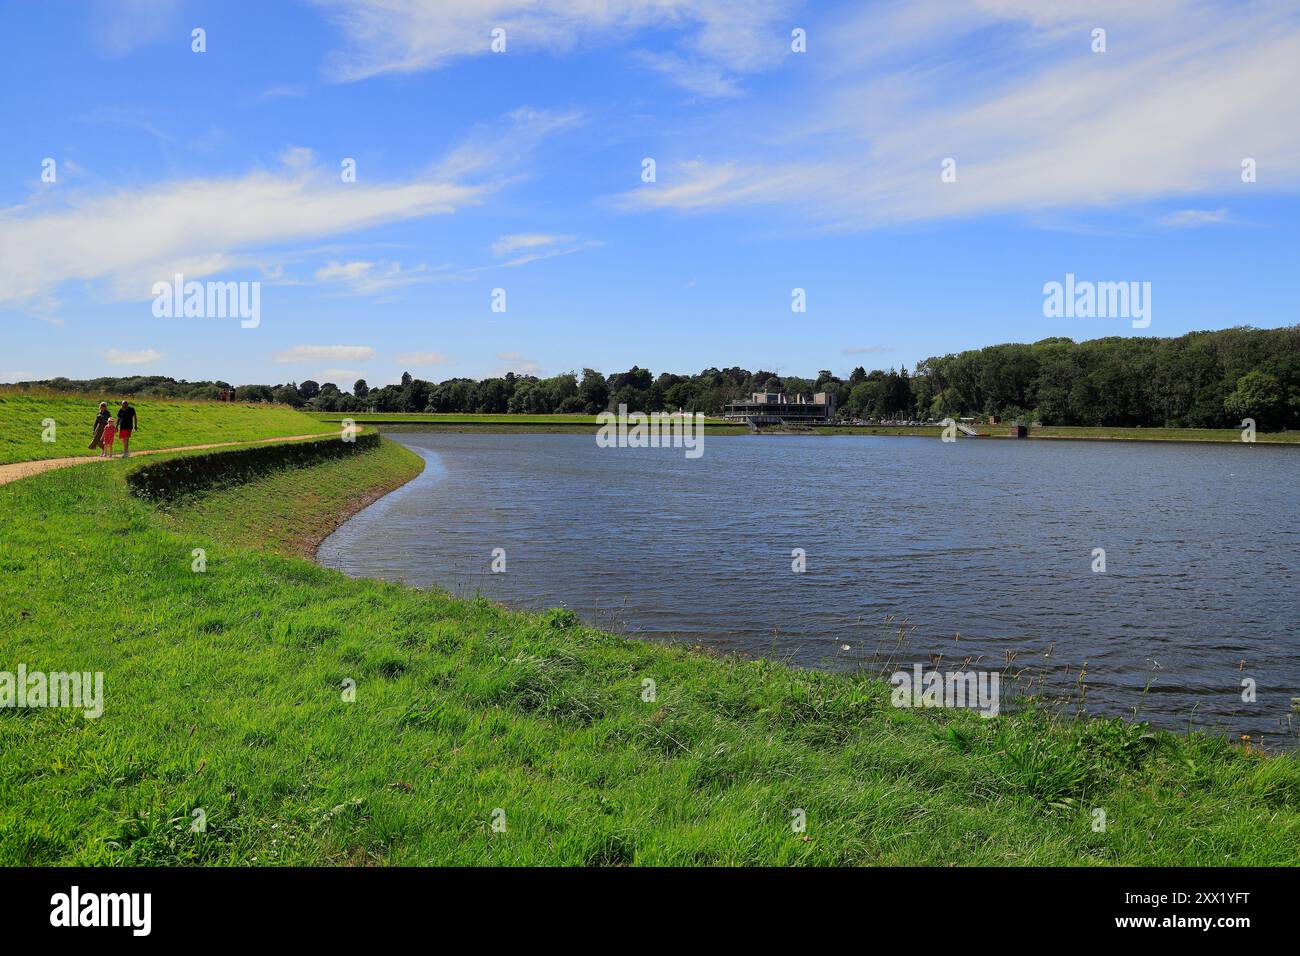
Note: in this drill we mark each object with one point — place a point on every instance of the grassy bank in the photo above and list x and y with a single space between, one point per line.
1081 432
224 691
164 423
285 514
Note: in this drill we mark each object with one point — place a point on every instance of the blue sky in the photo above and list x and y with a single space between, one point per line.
522 170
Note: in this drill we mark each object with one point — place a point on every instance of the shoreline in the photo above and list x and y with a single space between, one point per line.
461 706
308 547
493 424
1225 734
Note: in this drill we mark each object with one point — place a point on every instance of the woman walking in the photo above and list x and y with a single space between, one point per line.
97 440
126 424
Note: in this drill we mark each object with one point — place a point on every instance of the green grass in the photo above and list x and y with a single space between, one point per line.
282 513
164 423
223 692
1149 434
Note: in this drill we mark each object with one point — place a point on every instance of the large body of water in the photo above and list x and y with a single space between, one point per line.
979 548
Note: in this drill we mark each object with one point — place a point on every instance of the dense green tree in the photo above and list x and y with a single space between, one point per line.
594 391
1258 395
1202 379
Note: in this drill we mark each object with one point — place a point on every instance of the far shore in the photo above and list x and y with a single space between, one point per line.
586 424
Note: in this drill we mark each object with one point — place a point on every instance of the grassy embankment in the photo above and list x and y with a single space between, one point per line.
223 692
164 423
585 424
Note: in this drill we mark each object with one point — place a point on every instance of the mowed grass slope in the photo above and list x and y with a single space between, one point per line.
164 423
224 691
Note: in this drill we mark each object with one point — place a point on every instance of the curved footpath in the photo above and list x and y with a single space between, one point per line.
23 469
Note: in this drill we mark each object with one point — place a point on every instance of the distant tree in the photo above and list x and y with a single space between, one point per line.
254 393
1201 379
287 395
1258 395
593 391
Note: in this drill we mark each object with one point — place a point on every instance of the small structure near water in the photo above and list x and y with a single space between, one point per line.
769 408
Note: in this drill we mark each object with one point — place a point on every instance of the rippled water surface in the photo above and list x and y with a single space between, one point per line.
980 549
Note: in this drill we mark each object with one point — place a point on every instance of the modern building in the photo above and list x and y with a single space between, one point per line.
771 408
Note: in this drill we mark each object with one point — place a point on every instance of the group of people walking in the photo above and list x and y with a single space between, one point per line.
109 429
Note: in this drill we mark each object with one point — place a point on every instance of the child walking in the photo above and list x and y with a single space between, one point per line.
110 432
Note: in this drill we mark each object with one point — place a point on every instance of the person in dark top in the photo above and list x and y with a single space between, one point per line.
97 439
126 423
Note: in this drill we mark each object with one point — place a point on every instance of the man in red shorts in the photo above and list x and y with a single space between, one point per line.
126 423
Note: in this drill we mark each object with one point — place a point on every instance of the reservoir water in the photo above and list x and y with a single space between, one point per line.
913 551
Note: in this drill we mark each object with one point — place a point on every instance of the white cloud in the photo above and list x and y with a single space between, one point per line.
704 78
346 271
284 91
716 38
537 246
134 236
342 377
154 231
325 353
517 363
868 349
359 277
1184 93
1195 217
116 356
121 26
422 359
525 240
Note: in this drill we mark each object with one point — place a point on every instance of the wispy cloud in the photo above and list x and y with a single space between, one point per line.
517 363
122 26
505 245
702 77
359 277
130 237
535 246
281 92
422 359
868 349
716 40
1195 217
325 353
1184 93
115 356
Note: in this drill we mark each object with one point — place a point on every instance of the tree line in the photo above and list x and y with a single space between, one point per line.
1202 379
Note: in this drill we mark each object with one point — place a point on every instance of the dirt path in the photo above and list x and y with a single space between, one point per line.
23 469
